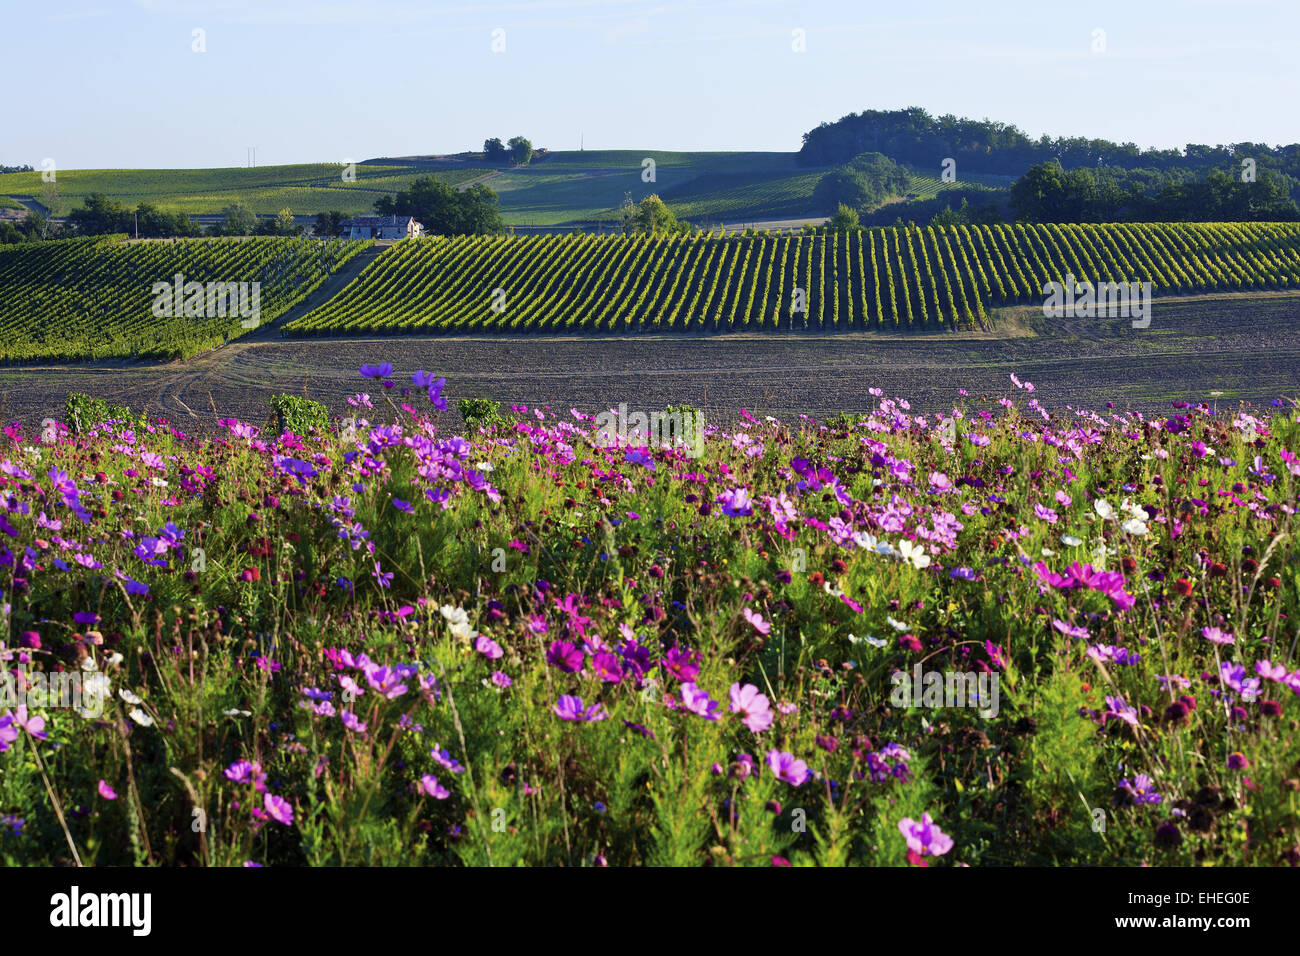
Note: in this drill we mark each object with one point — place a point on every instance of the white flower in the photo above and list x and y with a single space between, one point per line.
873 641
141 718
129 697
833 592
1049 553
114 659
455 615
1070 541
913 554
238 713
1103 509
897 625
158 482
865 540
1135 527
887 549
484 466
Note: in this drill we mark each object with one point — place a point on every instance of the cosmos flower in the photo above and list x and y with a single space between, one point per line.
752 707
278 809
698 702
786 767
573 709
924 838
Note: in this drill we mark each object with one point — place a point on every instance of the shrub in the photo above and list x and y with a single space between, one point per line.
298 415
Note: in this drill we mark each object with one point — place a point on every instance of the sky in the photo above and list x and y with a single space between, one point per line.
131 84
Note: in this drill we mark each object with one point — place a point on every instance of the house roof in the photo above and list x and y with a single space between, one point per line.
376 221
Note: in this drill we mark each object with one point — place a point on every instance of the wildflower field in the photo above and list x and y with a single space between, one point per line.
382 643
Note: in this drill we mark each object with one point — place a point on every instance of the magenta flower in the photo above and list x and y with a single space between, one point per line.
386 681
698 702
488 648
106 791
924 838
787 768
683 665
756 621
565 656
607 667
278 809
352 722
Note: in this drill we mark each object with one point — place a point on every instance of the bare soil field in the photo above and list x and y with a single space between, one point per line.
1221 348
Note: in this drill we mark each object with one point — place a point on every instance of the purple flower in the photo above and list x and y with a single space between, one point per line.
385 579
735 503
698 702
572 708
924 838
383 370
607 667
386 681
401 505
1141 790
352 722
754 709
787 768
444 759
501 679
637 457
1216 636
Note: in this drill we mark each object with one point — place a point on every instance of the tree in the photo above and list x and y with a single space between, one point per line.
865 182
330 224
651 217
237 220
443 210
1041 194
844 220
494 151
156 223
521 150
100 215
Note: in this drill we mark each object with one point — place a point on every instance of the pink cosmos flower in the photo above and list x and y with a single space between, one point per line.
786 767
429 784
106 791
756 621
698 702
278 809
753 707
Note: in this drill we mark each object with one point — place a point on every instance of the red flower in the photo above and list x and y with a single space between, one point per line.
251 574
1183 587
916 859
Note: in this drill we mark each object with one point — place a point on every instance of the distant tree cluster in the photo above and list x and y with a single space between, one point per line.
865 182
1047 193
31 228
101 214
650 217
16 169
444 210
915 137
518 151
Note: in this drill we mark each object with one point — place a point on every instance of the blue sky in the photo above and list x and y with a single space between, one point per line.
117 83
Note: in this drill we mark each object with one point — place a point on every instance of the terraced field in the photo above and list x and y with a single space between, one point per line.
890 277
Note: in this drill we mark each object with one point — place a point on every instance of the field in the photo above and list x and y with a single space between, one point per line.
1222 348
549 644
908 277
94 297
305 188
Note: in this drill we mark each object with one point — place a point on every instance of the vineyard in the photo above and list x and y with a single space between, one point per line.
888 277
93 297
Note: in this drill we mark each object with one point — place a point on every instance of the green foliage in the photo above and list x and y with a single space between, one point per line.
845 218
302 416
480 412
865 182
82 412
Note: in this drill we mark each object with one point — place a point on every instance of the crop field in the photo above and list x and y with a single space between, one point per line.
892 277
94 297
304 188
889 639
927 187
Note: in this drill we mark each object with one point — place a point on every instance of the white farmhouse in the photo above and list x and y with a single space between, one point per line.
381 227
